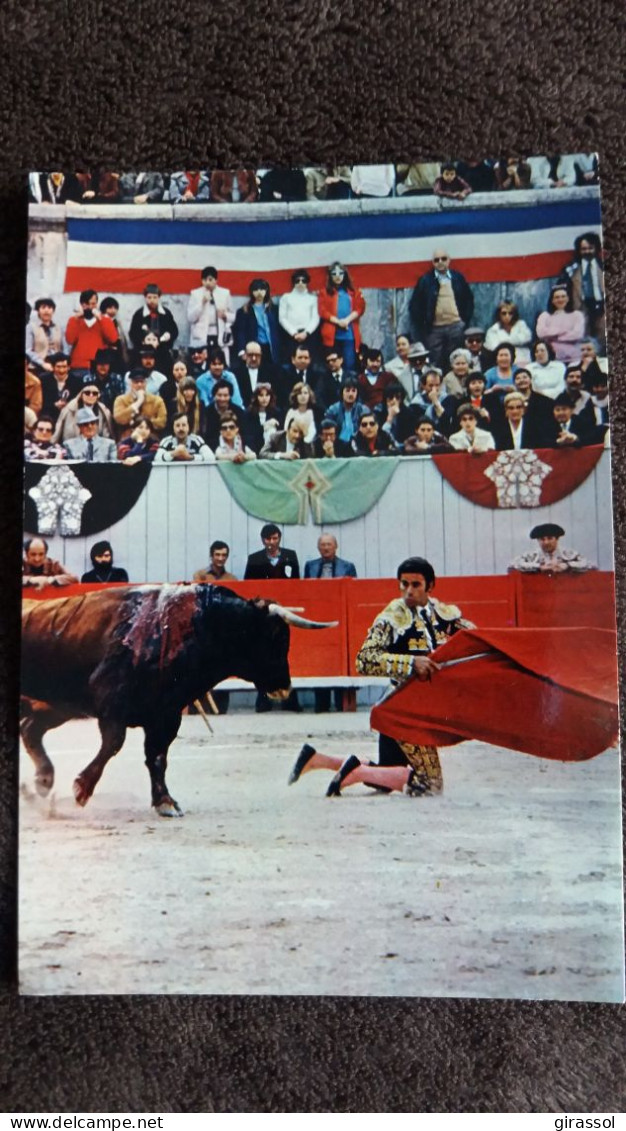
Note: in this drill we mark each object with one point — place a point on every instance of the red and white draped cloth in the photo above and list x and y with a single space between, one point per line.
527 478
551 692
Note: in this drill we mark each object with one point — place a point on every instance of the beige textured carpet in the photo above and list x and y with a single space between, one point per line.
157 86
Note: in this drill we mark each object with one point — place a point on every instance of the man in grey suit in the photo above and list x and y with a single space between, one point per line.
89 446
328 565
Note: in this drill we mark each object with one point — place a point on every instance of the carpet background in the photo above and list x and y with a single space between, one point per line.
150 85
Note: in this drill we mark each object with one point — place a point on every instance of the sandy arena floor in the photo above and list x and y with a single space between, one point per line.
507 886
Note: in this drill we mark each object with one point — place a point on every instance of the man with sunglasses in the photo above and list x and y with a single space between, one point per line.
329 385
298 315
480 358
441 305
222 403
39 447
231 445
197 361
370 439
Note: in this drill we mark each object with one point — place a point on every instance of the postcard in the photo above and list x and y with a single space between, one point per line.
235 779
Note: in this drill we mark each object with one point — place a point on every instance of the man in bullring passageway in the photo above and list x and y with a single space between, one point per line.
328 565
216 570
38 570
277 562
549 557
101 554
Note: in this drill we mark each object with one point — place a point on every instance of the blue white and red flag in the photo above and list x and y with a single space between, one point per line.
382 248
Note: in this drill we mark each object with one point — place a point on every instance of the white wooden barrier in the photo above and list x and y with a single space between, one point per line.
183 509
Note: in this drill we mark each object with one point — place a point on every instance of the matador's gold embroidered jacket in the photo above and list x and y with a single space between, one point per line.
399 634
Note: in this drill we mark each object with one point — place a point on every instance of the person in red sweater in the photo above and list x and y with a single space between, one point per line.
88 331
374 379
341 306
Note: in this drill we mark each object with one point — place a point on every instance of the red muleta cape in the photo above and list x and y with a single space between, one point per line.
551 692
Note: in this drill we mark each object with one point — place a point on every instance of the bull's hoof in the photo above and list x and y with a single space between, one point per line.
82 792
169 808
44 782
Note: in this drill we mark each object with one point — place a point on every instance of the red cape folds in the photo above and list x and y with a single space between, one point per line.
551 692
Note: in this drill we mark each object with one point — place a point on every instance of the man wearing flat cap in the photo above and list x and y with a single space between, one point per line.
138 402
89 446
417 361
549 557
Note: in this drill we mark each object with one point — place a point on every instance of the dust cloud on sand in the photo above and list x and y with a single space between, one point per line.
509 885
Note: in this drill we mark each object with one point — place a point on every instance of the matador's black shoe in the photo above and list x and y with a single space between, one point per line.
350 764
301 761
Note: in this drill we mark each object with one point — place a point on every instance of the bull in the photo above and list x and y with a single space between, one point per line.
135 657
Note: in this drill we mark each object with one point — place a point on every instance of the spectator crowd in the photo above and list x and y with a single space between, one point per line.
292 378
452 180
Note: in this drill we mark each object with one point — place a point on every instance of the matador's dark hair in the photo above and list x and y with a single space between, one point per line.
417 565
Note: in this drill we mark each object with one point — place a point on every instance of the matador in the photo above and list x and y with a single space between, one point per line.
400 645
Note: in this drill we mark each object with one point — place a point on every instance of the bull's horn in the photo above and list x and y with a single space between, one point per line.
290 617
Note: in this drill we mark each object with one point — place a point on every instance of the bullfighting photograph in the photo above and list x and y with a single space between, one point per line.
234 779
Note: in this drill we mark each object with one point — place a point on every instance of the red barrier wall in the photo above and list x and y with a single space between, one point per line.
565 599
486 601
526 600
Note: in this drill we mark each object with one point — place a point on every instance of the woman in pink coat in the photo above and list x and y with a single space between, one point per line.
561 325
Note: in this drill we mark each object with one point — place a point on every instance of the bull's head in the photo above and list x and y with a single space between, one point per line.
290 616
272 676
